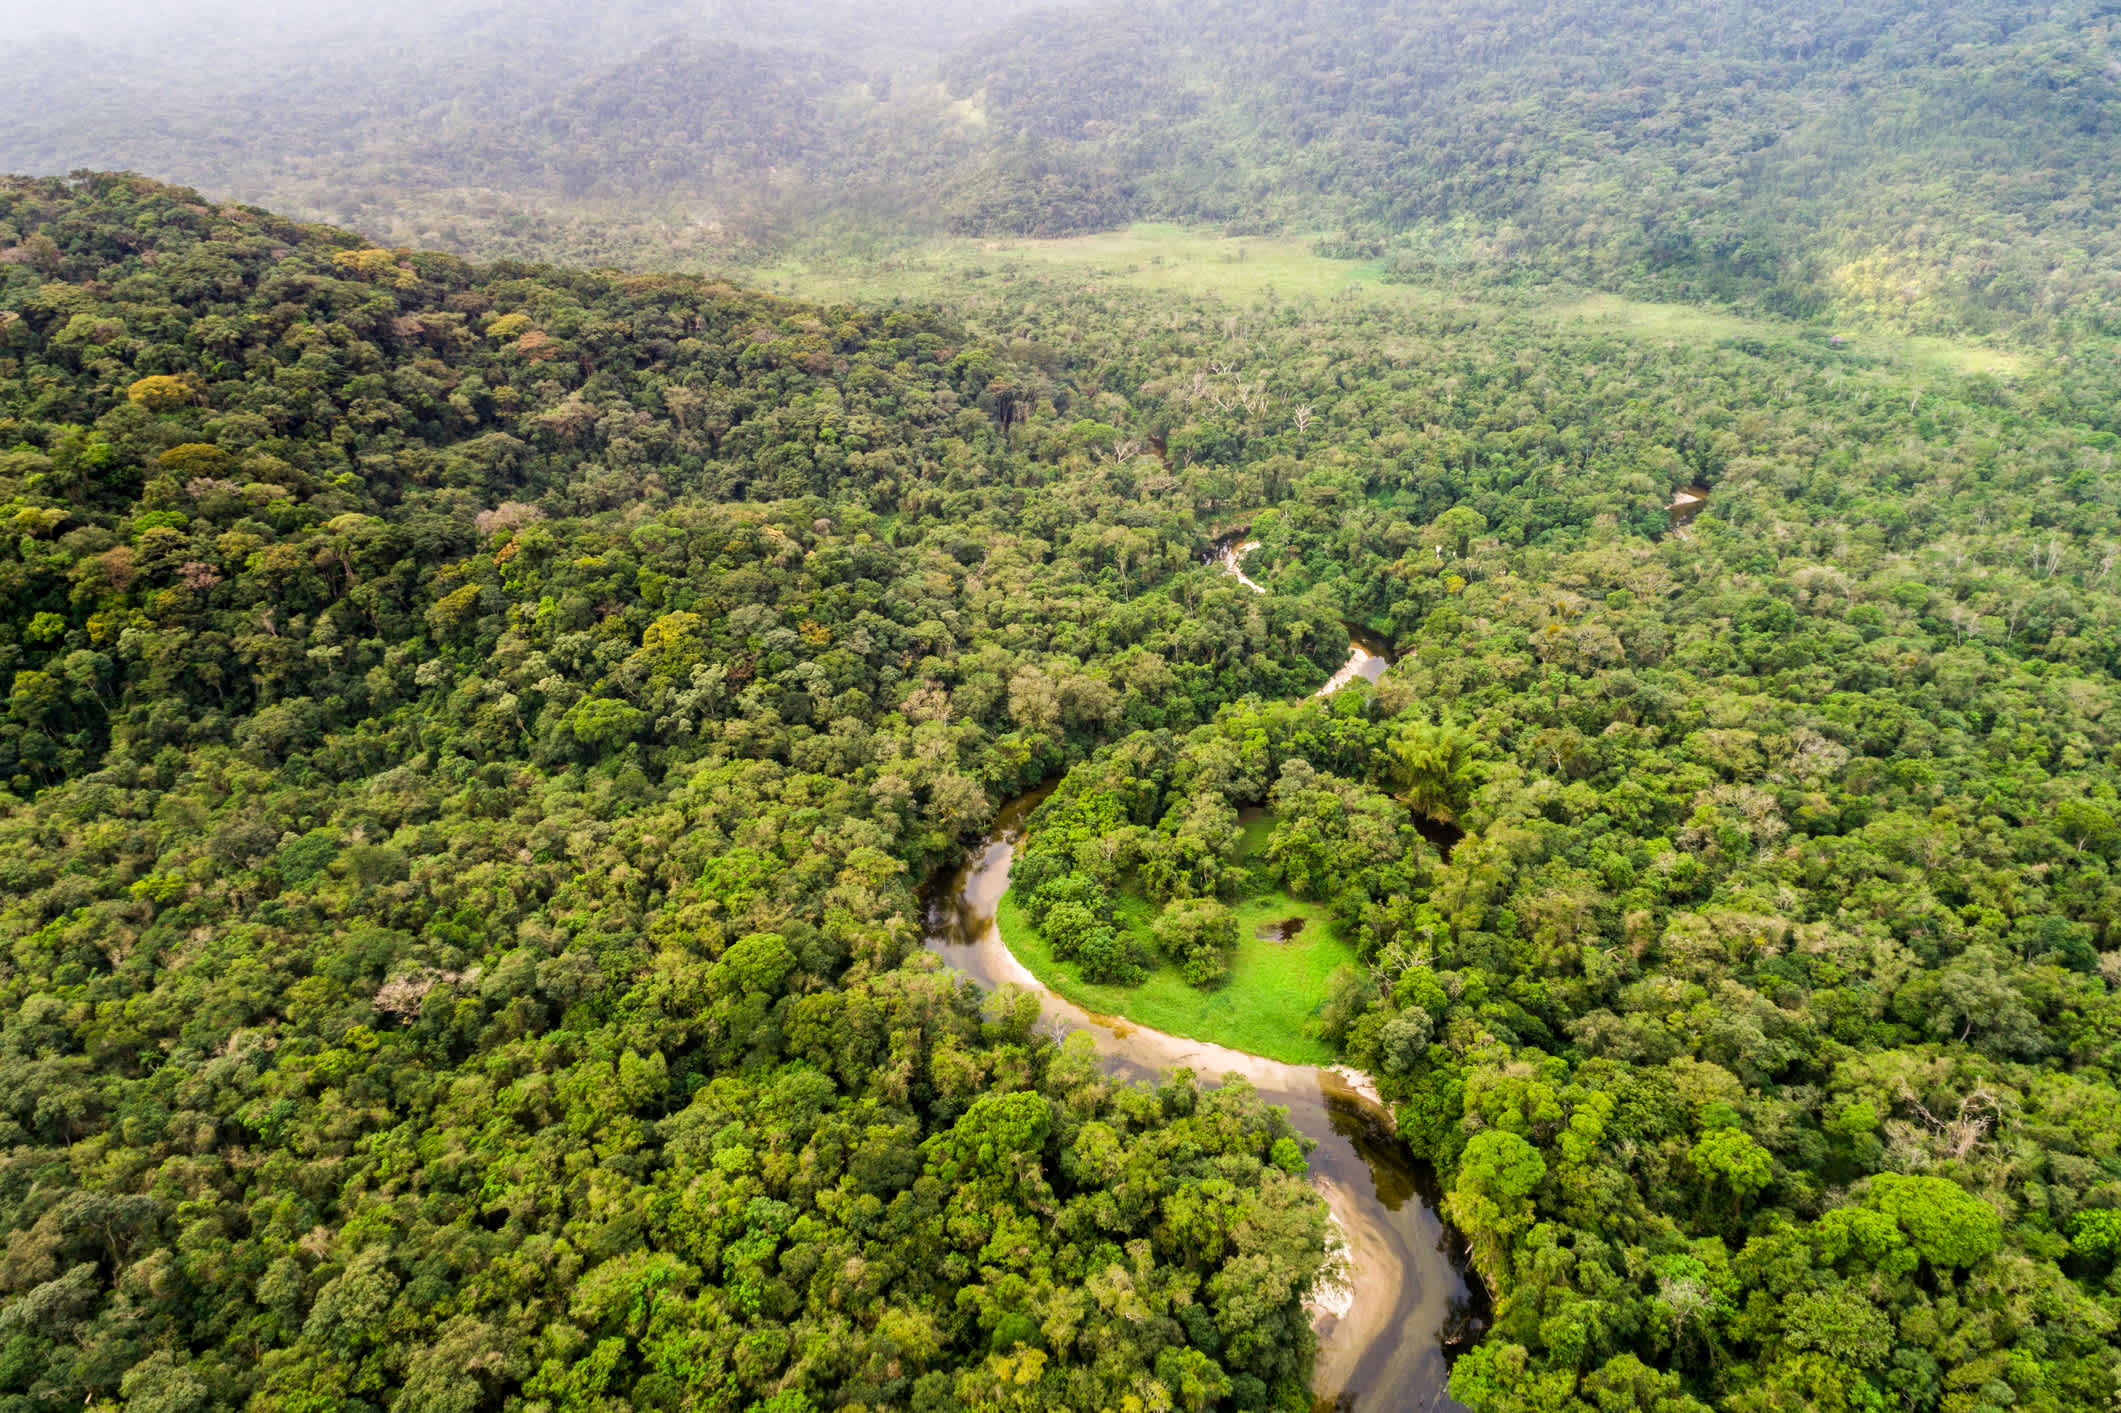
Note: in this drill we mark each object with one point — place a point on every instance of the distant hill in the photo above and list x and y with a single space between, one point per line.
548 129
1944 164
1938 166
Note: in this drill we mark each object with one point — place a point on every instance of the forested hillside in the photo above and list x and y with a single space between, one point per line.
1755 987
472 738
645 132
474 733
1941 167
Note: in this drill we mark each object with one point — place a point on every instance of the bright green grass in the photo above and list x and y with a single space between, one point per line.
1963 359
1204 264
1168 258
1266 1007
1645 319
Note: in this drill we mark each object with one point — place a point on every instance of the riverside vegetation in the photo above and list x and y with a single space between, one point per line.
473 732
1211 963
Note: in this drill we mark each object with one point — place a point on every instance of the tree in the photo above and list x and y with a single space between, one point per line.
1455 529
1729 1158
1198 934
1841 1324
1491 1199
1945 1224
1432 765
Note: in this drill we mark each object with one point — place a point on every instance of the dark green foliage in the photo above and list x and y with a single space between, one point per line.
472 734
1155 813
1198 934
1796 157
472 739
1780 929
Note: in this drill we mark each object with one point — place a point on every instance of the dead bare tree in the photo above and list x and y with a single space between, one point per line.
1963 1132
1397 958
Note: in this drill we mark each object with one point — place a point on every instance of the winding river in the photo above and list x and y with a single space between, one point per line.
1382 1340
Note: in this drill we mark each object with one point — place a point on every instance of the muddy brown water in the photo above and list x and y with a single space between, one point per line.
1686 504
1411 1300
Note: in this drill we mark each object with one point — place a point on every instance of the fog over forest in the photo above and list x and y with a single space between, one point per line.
1936 166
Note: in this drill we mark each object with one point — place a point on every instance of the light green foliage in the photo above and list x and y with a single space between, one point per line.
1729 1158
996 1135
1268 1004
457 955
1431 764
1859 1235
1490 1198
1198 935
1153 818
756 963
1783 158
1841 1324
598 722
1946 1225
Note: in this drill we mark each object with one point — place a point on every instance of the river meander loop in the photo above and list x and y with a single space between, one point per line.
1383 1339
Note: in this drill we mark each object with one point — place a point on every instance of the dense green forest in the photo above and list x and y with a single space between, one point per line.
1939 167
1760 1017
645 132
474 734
1934 166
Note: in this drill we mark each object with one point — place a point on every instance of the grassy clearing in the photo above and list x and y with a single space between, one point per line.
1201 264
1166 258
1963 359
1645 319
1614 313
1266 1007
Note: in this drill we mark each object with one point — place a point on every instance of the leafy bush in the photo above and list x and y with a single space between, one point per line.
1198 935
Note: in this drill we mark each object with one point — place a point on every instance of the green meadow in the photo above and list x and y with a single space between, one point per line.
1266 1006
1206 265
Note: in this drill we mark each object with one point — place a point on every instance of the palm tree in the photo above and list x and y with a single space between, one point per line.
1433 765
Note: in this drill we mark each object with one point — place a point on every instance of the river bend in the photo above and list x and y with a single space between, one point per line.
1381 1341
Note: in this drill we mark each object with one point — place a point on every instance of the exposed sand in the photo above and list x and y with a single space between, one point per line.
1365 1086
1234 556
1359 664
1353 1318
1334 1295
1376 1313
